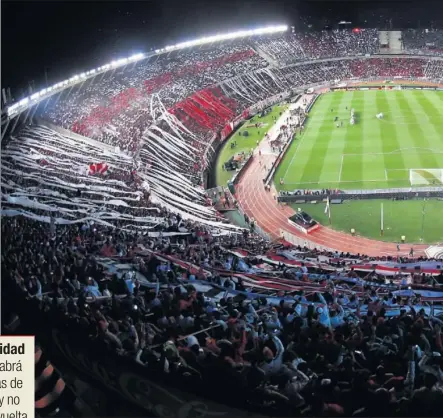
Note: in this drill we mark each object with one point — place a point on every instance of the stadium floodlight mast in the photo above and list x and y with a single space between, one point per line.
35 98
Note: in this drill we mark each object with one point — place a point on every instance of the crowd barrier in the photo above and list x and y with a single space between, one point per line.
310 105
413 194
386 87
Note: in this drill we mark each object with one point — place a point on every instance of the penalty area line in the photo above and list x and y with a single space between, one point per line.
341 168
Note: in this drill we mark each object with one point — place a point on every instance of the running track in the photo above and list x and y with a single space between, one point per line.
273 217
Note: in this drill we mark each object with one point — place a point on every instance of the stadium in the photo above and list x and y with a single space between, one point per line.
203 207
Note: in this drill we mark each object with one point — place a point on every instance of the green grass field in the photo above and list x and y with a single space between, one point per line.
404 148
400 218
244 143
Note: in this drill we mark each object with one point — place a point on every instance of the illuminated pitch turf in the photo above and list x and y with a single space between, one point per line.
404 148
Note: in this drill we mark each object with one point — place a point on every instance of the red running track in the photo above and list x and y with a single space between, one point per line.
273 217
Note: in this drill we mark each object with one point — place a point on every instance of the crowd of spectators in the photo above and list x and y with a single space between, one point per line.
423 41
329 346
289 48
322 192
48 173
205 87
308 357
61 161
116 107
388 68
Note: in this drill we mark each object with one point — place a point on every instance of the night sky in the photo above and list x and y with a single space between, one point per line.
65 38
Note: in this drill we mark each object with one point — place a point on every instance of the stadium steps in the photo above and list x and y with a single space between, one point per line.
395 42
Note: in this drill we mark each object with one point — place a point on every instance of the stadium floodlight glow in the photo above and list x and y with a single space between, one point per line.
136 57
12 110
226 36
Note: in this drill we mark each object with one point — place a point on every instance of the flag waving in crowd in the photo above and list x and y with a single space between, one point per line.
98 168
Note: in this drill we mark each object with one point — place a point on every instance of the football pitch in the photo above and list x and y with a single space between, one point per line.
403 149
244 143
419 221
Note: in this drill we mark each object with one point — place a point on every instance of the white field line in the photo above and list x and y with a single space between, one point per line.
343 181
398 151
296 151
404 169
341 168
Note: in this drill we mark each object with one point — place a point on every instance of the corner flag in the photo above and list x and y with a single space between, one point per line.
328 209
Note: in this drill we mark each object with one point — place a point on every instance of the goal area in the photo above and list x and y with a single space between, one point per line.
426 176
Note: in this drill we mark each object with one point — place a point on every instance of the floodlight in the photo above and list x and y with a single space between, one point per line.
122 61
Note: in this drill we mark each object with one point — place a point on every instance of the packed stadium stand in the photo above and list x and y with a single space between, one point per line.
108 233
427 41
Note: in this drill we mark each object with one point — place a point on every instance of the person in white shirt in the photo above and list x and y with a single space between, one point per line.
106 292
273 363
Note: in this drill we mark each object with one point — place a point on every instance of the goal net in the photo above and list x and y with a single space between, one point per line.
426 177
